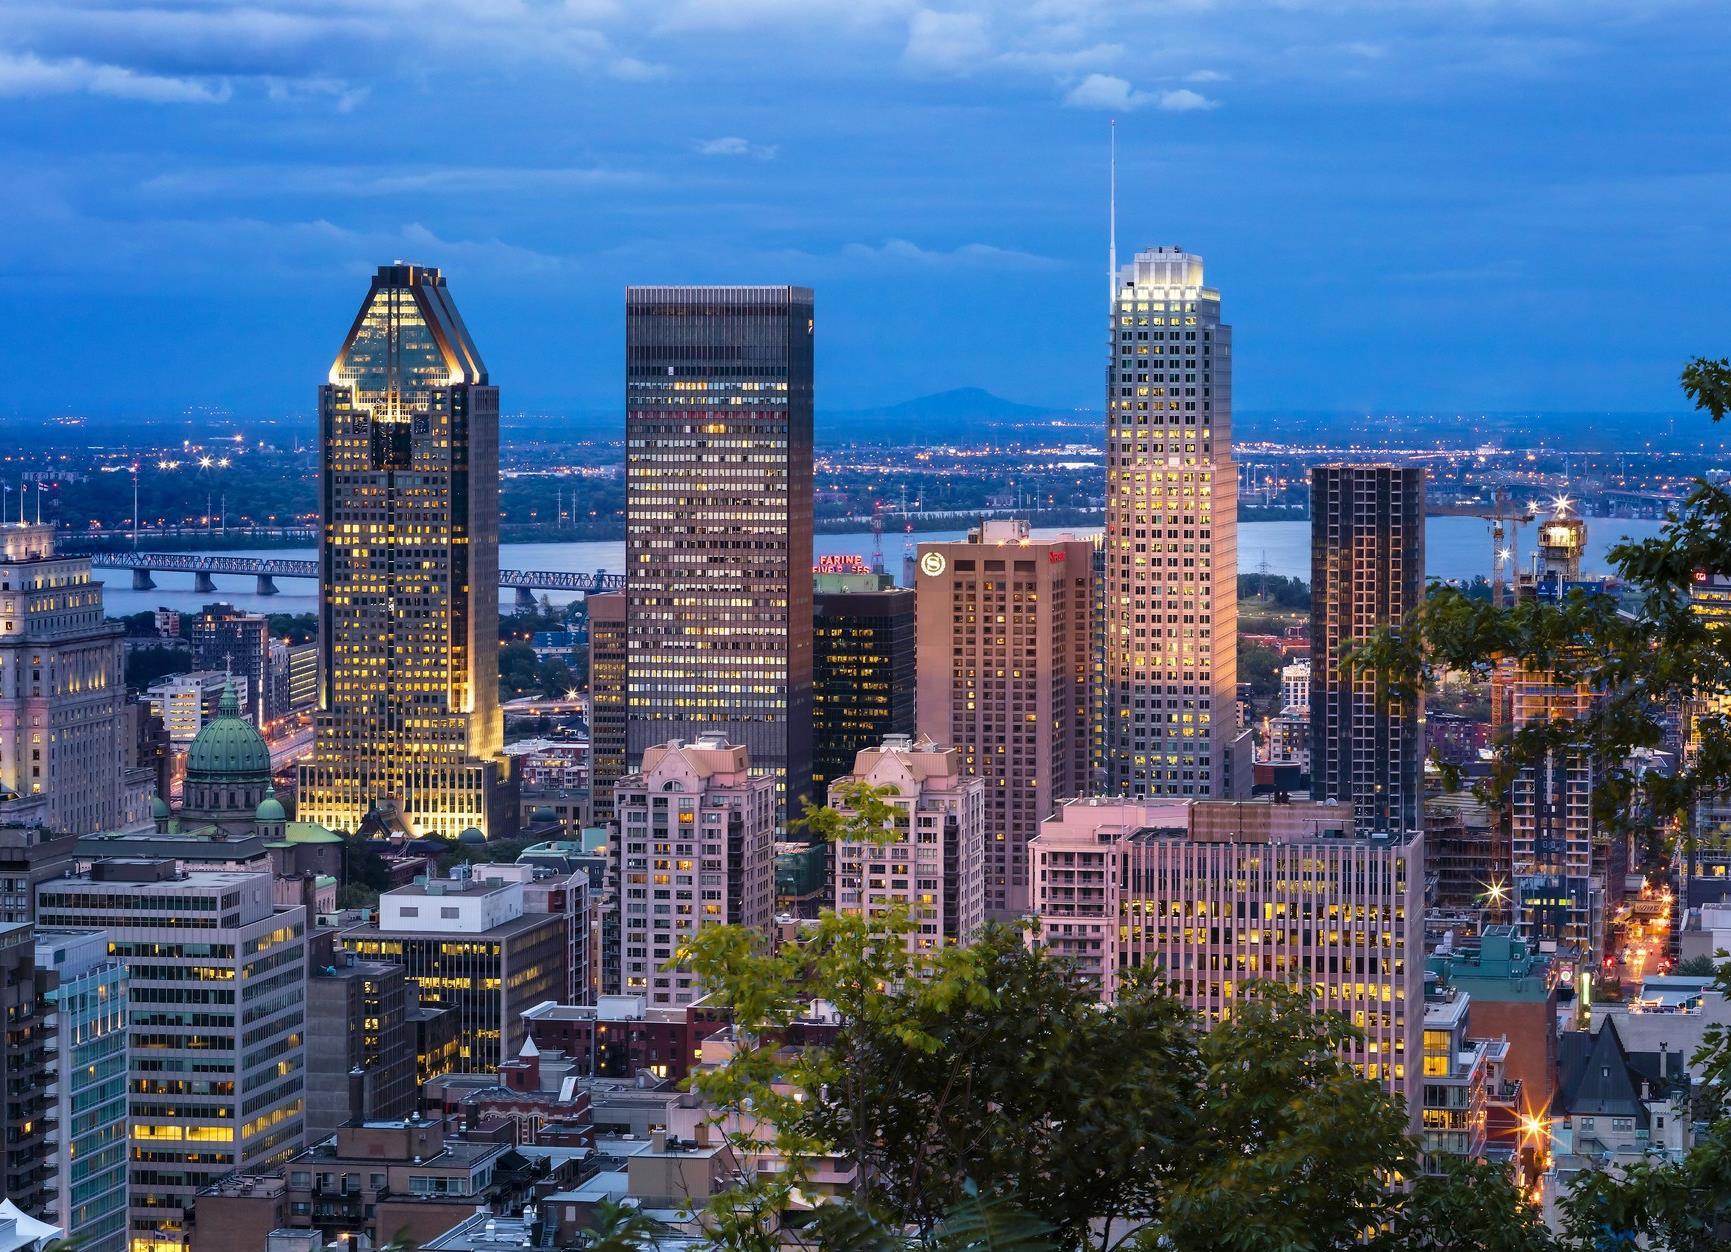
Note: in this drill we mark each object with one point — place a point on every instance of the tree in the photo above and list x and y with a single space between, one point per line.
555 679
519 669
1697 967
145 666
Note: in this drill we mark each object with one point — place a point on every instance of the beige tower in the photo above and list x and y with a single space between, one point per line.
1004 646
408 719
1171 560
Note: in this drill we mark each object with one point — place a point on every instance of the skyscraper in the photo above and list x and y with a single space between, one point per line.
408 715
1171 593
718 465
1005 644
862 669
1366 573
607 755
229 641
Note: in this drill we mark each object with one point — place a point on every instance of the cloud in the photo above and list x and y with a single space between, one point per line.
1106 91
1183 100
949 43
983 255
26 74
1205 76
734 146
344 96
362 181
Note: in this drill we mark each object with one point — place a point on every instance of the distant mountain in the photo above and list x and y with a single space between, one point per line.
943 416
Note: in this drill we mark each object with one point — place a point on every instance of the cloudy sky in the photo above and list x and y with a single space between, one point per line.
1408 205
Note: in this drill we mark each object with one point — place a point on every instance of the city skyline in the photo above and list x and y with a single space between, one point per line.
164 156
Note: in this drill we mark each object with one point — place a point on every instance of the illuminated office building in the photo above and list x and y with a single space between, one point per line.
1171 592
216 980
1222 894
718 465
1366 574
1005 643
607 753
862 669
408 718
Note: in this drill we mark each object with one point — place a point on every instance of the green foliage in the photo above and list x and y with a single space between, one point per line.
145 666
1697 967
1260 667
295 627
1274 591
1473 1206
617 1227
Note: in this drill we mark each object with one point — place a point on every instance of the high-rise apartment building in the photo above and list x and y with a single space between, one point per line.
608 759
63 724
863 671
1221 894
217 1004
935 863
228 641
85 989
361 1050
408 715
1005 646
185 702
697 848
1366 574
718 465
1171 594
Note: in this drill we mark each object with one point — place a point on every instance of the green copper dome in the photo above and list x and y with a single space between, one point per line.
159 807
270 808
229 746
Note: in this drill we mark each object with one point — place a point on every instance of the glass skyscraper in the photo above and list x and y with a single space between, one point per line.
1171 559
408 715
718 464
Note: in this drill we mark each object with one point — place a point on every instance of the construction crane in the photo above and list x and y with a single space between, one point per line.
1505 522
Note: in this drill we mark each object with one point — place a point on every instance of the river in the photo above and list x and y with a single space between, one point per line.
1455 547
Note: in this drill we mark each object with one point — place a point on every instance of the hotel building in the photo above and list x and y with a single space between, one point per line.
697 848
1221 894
1171 560
1005 645
934 864
863 672
408 717
718 465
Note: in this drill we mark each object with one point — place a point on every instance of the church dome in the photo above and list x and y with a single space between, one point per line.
229 746
159 808
270 808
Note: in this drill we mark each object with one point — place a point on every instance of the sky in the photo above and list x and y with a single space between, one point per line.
1409 206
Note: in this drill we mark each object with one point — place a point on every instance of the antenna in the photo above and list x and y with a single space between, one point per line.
1112 217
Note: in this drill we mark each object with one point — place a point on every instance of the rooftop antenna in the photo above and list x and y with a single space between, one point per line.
1112 218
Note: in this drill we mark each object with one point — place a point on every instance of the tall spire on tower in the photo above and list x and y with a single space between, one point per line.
1112 214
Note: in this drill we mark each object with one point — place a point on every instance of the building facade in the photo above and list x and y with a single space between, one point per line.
1171 592
88 1128
608 757
697 848
718 465
26 1055
409 714
63 723
216 981
863 673
361 1055
470 947
228 641
1367 574
1004 652
185 702
1222 894
932 861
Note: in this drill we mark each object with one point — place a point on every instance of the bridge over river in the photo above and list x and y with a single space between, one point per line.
206 568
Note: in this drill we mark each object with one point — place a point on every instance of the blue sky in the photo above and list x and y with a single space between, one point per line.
1408 205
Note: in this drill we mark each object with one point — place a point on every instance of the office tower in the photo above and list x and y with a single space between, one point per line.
408 716
608 762
471 947
935 867
228 641
718 432
1005 646
85 989
185 702
62 693
863 674
1171 537
563 894
361 1050
1219 894
1367 573
217 996
697 848
25 1073
303 676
